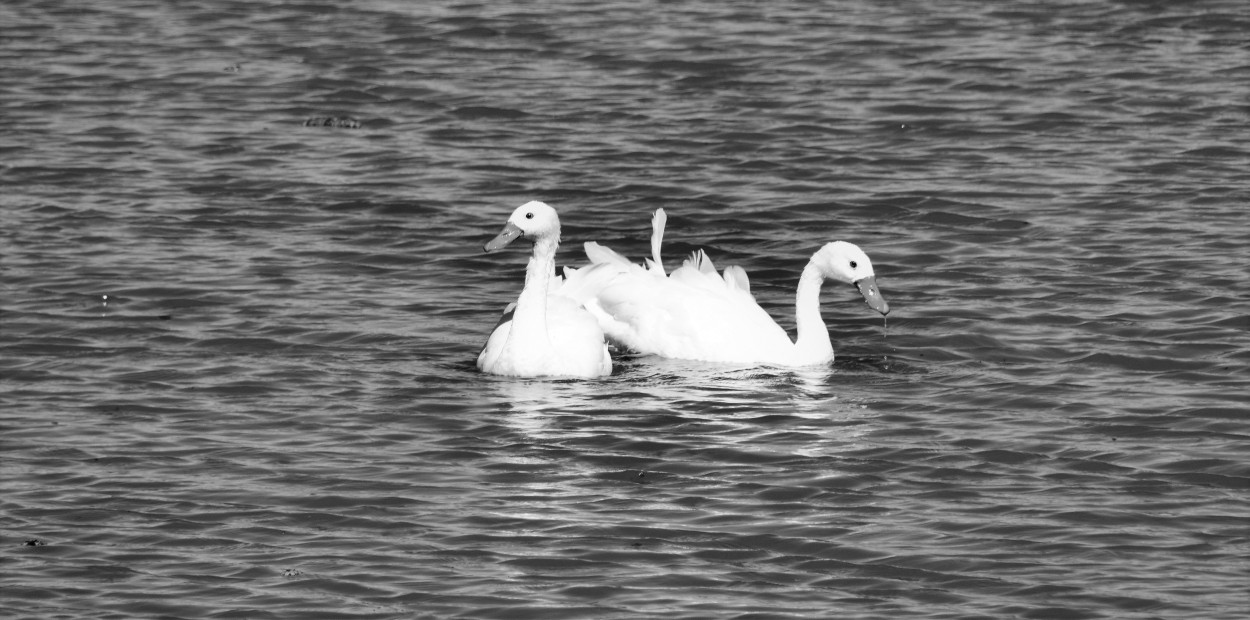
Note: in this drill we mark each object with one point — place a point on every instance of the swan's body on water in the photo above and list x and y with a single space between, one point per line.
545 333
696 313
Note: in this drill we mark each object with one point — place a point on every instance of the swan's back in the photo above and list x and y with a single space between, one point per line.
694 313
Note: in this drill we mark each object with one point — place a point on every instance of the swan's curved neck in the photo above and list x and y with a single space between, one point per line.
530 317
812 342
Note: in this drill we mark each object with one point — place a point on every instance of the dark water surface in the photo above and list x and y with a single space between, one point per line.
243 292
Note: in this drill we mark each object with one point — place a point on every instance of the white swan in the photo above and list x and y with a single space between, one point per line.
697 314
545 333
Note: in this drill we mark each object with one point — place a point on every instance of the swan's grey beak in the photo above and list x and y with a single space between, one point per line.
509 234
868 288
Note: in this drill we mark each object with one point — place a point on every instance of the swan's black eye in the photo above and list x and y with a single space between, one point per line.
854 265
529 216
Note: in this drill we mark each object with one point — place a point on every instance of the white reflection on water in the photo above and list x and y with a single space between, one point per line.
744 401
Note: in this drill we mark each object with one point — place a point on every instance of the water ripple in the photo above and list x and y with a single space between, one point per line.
243 293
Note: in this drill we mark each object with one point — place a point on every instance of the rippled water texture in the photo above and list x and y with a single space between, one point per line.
243 292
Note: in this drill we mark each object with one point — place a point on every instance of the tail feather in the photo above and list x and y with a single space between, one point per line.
657 237
601 254
699 261
736 277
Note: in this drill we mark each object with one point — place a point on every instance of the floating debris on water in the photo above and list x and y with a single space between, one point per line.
332 121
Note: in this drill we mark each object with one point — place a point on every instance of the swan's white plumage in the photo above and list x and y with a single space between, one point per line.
697 313
546 332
